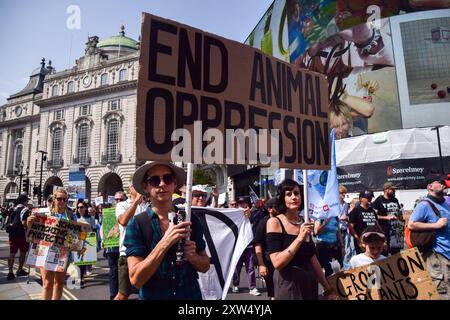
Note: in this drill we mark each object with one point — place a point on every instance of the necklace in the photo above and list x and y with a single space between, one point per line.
295 223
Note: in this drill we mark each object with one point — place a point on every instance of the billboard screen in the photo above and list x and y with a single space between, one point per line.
367 49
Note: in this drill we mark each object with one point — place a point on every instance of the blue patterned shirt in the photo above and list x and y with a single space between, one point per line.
169 282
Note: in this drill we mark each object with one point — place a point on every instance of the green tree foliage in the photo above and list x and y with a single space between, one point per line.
202 176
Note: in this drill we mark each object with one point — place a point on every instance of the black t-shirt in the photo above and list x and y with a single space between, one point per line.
19 215
260 237
362 218
261 232
386 207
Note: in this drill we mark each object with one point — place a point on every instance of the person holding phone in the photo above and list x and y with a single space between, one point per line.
153 269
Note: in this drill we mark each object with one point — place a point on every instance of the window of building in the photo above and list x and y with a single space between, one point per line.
70 87
59 114
14 188
112 144
104 79
1 136
123 75
55 90
114 105
18 134
85 110
18 156
56 144
0 151
37 146
3 115
83 143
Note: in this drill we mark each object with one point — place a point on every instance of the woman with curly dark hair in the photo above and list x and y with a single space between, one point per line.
291 250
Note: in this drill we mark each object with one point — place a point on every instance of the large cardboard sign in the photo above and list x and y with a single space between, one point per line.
403 276
206 99
52 231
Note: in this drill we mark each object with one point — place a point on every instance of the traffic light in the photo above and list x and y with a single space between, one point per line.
35 191
25 185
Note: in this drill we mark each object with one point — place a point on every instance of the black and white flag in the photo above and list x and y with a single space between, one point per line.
227 233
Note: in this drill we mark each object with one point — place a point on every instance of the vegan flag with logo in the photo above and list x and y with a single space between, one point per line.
323 188
227 233
253 196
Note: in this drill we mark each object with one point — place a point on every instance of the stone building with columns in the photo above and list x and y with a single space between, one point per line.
81 119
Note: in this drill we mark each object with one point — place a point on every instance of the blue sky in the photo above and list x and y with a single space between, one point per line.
31 30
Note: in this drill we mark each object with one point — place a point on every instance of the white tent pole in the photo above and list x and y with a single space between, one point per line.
305 194
190 175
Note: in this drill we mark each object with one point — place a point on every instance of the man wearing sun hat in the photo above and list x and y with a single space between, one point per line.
432 213
153 269
390 218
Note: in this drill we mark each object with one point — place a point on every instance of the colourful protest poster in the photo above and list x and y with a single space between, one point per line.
110 228
52 231
44 255
403 276
89 256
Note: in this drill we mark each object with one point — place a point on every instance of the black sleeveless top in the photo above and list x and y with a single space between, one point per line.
277 242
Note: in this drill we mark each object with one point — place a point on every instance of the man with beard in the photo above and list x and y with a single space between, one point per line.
432 213
390 218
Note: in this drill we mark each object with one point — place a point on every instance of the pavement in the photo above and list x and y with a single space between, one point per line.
17 289
20 288
95 285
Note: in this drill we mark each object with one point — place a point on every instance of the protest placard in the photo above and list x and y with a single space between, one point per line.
206 99
403 276
110 199
49 230
98 201
44 255
110 228
89 256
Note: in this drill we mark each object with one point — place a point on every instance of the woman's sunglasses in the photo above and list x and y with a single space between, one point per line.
61 199
200 195
155 181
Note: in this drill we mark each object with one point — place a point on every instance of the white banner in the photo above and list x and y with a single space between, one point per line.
227 233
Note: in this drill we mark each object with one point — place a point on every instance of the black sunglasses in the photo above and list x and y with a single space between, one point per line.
155 181
118 200
200 195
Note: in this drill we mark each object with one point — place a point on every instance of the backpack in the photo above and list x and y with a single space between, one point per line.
423 240
14 226
144 222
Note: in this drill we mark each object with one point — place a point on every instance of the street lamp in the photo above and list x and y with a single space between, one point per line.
439 146
43 158
20 176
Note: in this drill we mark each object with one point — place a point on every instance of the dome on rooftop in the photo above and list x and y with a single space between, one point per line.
119 41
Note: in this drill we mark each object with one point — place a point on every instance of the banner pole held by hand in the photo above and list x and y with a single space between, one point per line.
305 197
189 178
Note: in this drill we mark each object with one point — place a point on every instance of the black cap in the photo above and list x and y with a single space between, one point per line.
243 200
270 203
432 177
366 194
22 199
